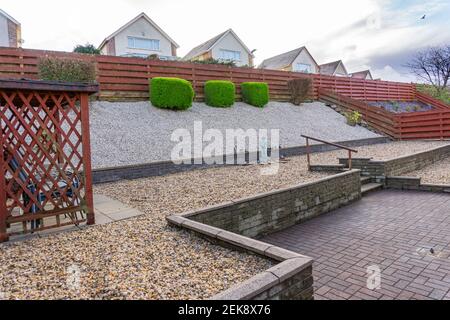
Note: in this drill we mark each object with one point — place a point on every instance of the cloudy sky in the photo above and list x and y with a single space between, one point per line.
380 34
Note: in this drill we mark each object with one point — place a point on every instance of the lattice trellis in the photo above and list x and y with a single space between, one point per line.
46 172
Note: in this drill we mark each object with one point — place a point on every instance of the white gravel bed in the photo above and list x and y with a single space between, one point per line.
143 258
437 173
133 133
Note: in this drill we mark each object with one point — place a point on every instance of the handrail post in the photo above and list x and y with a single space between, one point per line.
349 159
307 154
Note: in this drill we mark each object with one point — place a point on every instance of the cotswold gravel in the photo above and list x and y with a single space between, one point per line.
143 258
437 173
132 133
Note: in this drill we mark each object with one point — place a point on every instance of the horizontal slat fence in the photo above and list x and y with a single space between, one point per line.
433 124
127 78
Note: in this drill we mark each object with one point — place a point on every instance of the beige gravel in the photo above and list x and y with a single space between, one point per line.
438 173
143 258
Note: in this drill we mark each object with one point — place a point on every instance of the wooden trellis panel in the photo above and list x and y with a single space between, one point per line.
45 175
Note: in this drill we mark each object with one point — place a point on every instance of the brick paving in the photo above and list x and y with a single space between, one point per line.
394 230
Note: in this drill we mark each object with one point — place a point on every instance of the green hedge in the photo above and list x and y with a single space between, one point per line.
171 93
255 93
220 93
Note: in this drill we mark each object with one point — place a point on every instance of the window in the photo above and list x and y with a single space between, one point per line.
303 67
230 55
141 43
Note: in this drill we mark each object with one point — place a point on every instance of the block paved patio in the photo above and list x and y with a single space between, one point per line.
394 230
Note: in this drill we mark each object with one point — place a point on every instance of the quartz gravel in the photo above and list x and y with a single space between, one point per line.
133 133
437 173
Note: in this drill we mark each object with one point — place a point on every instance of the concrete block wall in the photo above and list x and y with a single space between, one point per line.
379 170
265 213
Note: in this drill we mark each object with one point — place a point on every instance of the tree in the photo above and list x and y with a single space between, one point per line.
433 66
87 48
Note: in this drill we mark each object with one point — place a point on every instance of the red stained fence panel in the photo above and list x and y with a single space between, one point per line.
127 78
433 124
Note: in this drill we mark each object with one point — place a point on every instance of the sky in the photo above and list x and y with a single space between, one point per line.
378 34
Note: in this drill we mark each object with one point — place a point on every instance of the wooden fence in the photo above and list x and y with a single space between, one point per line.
434 124
127 78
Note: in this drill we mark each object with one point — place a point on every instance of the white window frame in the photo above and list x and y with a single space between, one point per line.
230 55
298 69
154 44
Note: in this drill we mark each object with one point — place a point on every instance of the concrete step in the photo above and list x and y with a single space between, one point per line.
328 167
366 188
366 180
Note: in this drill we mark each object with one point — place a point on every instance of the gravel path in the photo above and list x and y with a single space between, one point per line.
437 173
132 133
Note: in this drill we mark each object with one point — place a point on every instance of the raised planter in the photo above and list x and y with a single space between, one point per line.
234 224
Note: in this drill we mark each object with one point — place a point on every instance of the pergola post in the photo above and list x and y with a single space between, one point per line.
86 140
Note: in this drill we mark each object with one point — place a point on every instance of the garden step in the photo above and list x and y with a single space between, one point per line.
365 180
328 167
370 187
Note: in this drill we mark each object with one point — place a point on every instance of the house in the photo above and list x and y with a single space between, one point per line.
10 31
335 68
366 75
226 46
141 37
298 60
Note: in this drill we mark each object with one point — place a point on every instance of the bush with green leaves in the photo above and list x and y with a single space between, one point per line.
67 70
442 95
171 93
220 93
86 49
255 93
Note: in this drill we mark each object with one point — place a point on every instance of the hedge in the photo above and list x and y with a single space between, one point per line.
220 93
67 70
171 93
255 93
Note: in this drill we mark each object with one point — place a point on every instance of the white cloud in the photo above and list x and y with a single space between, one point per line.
390 73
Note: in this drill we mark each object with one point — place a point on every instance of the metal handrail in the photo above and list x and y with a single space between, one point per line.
308 150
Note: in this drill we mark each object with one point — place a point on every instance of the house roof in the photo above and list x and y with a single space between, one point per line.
142 15
9 17
330 68
361 74
208 45
284 60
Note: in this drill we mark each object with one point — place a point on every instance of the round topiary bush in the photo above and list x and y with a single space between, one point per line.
255 93
171 93
220 93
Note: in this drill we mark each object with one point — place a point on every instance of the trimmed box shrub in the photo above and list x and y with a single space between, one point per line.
220 93
171 93
300 89
255 93
65 69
